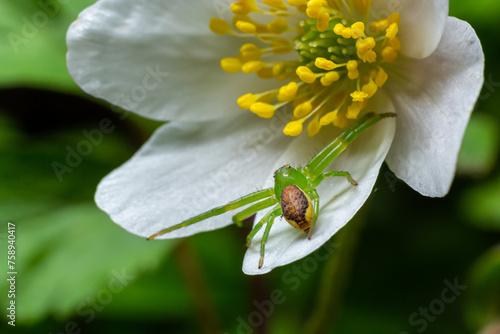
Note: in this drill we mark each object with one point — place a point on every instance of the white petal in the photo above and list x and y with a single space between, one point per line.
157 58
188 168
434 98
339 200
422 23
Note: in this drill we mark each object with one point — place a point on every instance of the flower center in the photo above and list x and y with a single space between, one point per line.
341 57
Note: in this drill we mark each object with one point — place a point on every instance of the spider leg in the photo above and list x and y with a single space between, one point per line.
323 176
271 216
315 200
247 199
261 223
240 216
324 158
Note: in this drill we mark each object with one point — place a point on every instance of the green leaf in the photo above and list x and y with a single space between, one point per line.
33 43
69 254
484 12
480 146
74 259
483 295
480 207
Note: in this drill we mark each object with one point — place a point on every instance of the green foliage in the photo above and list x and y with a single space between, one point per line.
483 303
70 254
480 205
33 44
67 249
479 147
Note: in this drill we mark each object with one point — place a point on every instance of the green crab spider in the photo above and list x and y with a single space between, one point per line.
294 194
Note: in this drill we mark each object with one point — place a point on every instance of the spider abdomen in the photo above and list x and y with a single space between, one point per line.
297 207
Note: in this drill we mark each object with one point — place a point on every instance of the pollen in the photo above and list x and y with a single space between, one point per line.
328 58
264 110
305 74
231 65
252 66
247 100
358 30
288 92
246 27
219 27
352 68
358 96
278 26
240 8
293 128
381 77
303 109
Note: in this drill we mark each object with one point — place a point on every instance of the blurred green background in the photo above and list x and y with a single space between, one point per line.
78 272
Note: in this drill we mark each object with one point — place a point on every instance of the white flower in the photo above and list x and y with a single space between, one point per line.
159 59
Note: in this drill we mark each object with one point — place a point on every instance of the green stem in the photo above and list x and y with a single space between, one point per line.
193 276
335 277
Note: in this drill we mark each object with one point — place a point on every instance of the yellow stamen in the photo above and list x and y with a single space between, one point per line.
252 66
280 45
352 69
239 8
250 51
246 27
305 74
278 68
369 57
353 110
381 77
323 21
277 26
219 27
264 110
314 8
287 92
362 6
313 127
365 45
297 2
330 78
247 100
358 29
265 73
302 109
231 65
328 118
392 31
340 121
309 38
389 54
393 18
395 43
370 89
274 3
293 128
324 64
358 96
340 30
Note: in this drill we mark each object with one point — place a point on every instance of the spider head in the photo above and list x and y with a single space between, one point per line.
286 176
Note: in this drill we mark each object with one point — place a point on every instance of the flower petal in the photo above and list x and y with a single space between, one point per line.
422 23
434 98
339 200
156 58
187 168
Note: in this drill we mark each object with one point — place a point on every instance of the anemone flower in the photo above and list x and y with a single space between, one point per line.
327 61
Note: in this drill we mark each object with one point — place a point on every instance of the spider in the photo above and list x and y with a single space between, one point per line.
294 194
